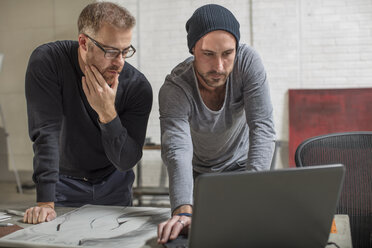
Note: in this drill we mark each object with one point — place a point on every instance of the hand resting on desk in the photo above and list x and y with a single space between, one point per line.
176 225
44 211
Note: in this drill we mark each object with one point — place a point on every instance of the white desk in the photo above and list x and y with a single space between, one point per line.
342 235
141 231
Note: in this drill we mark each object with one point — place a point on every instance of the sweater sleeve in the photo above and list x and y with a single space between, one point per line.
44 109
177 149
258 109
123 137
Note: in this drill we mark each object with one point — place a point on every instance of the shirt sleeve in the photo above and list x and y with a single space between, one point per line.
124 136
258 109
44 109
177 149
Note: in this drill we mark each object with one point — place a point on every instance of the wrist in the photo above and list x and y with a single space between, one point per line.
46 204
183 209
185 214
107 117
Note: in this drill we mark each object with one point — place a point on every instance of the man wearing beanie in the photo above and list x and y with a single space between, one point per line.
215 112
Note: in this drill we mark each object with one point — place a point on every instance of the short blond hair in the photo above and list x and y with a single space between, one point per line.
94 15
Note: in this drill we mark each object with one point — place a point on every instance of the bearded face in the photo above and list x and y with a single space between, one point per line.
214 56
108 68
108 39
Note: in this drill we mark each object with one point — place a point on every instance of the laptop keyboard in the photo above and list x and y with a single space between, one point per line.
180 242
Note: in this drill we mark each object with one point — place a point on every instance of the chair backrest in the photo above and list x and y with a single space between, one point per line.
354 150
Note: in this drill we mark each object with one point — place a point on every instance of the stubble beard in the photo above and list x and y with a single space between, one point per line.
213 83
109 78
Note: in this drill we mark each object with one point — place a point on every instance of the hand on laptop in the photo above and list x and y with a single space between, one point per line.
176 225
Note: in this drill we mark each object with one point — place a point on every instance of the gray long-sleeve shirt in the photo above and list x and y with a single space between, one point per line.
197 138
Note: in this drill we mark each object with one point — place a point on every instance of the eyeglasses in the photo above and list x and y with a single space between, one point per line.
113 53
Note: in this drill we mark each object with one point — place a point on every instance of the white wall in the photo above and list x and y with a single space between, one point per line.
303 43
25 24
162 45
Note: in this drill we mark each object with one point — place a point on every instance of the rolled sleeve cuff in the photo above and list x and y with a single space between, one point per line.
112 129
177 202
46 192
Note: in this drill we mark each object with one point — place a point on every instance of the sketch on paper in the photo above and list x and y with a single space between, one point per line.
95 226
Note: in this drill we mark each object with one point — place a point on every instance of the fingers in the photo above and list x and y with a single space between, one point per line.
37 215
29 215
42 216
98 76
160 230
115 84
176 229
172 228
85 86
51 215
164 230
90 80
26 215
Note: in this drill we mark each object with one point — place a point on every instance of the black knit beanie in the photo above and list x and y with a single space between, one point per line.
209 18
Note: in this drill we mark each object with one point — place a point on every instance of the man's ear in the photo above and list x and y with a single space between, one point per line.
83 42
193 50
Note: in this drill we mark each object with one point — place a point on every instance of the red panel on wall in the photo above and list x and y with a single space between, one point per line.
323 111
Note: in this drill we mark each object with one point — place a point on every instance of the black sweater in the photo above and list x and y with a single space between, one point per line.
66 134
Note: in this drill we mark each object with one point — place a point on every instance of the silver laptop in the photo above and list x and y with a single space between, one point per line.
282 208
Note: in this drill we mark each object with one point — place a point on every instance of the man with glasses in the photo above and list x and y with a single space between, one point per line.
215 112
87 114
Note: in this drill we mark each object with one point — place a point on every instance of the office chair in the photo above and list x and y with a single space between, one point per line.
354 150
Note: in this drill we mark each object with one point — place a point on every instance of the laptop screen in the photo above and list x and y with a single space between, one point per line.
282 208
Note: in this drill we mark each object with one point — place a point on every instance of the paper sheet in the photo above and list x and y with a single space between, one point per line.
4 216
94 226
